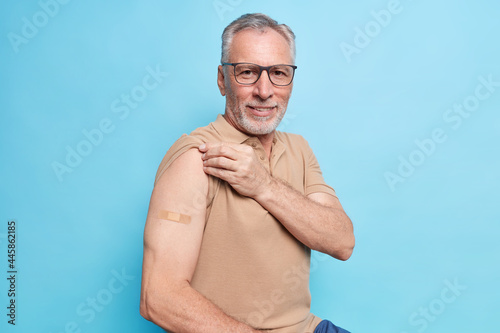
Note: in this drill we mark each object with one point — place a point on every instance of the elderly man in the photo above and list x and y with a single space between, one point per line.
237 206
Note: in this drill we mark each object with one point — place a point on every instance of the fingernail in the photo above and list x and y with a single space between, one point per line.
202 146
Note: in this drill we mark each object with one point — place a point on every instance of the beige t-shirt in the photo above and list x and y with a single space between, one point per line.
249 264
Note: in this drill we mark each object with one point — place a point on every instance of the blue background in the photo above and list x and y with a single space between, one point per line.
362 113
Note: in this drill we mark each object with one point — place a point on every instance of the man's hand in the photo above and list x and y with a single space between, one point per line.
238 165
316 220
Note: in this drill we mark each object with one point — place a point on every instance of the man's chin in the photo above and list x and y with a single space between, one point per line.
261 127
256 125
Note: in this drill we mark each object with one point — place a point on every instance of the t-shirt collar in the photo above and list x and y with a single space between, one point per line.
228 131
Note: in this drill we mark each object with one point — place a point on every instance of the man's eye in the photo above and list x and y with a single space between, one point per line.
279 73
248 72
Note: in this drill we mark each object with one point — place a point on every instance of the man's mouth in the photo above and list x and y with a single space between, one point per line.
261 111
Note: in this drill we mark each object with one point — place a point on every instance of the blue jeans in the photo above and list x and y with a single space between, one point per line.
327 327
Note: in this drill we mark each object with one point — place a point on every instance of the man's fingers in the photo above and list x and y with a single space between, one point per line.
216 172
203 147
224 152
224 149
208 145
224 146
220 162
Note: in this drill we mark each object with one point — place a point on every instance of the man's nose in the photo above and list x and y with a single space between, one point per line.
264 88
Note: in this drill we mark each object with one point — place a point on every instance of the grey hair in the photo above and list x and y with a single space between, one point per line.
258 22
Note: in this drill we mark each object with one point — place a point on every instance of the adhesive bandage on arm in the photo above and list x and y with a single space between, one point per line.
175 217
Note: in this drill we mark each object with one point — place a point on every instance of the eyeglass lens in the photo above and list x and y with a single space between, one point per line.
249 73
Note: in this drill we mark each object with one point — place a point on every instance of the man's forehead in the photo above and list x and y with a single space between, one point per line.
264 47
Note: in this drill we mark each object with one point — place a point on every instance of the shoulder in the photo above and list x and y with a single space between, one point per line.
187 143
185 173
289 137
197 137
292 140
205 133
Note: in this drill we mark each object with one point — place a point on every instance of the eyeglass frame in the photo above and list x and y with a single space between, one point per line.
261 69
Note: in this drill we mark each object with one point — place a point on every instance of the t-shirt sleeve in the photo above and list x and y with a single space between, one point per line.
314 181
183 144
180 146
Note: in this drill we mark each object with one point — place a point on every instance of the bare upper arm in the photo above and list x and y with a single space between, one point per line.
171 248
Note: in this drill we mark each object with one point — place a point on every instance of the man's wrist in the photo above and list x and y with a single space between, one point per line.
267 190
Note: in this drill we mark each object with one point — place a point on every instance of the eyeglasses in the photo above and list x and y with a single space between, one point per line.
247 73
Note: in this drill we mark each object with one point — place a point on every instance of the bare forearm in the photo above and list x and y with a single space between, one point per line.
184 310
322 228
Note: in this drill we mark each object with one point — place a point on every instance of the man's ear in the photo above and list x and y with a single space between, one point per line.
221 81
